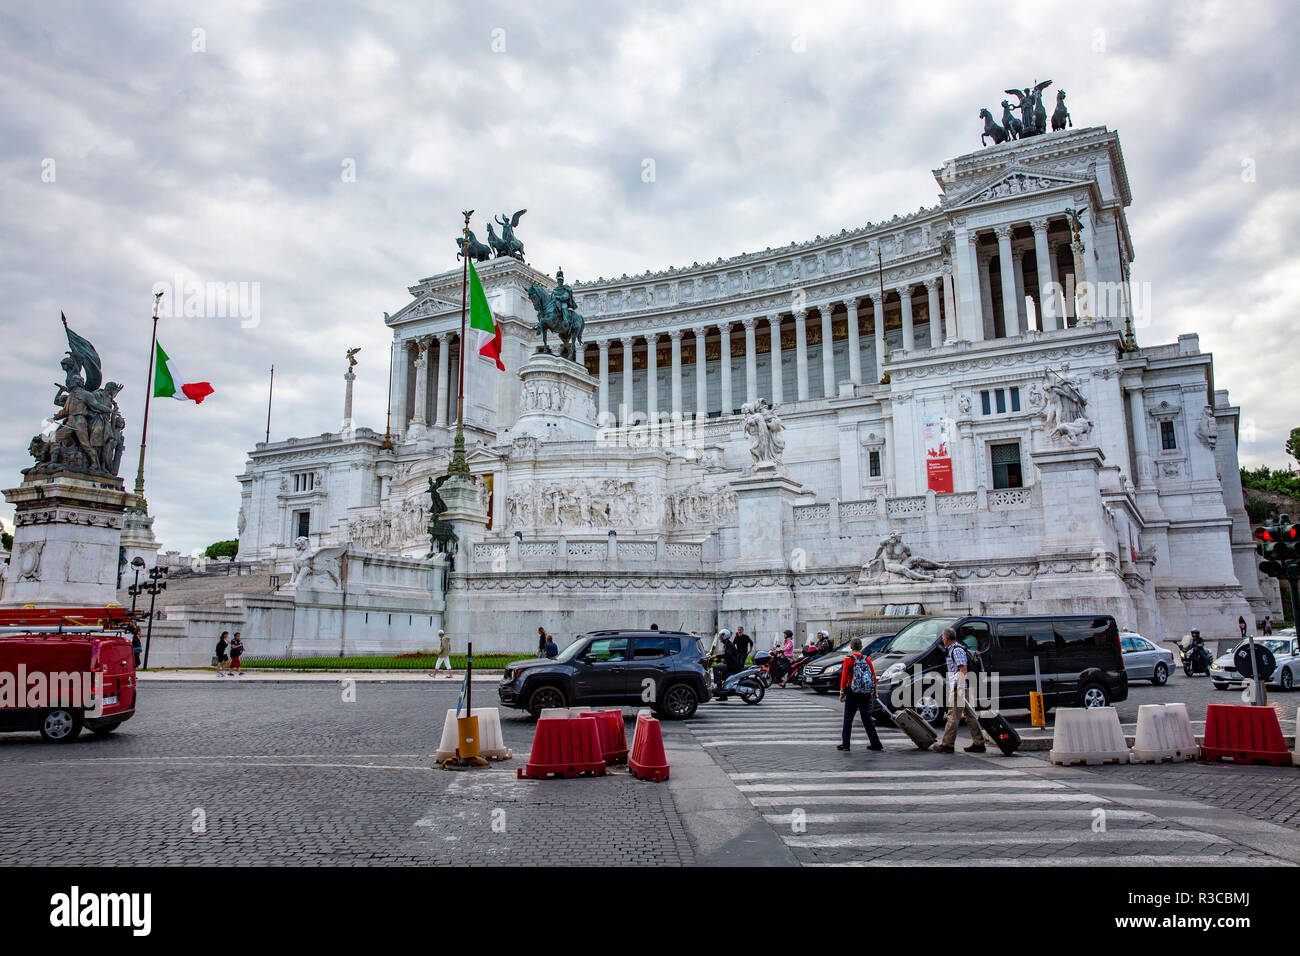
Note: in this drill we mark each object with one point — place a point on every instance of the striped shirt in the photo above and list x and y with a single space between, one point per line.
957 659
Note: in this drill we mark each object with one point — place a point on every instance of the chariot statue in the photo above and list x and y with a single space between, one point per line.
507 244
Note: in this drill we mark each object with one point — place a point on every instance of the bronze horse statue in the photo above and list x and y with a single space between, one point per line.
566 323
476 251
1061 116
992 129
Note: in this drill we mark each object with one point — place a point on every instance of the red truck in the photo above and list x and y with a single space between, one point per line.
62 669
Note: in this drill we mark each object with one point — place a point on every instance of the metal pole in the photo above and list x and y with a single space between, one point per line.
148 393
1254 671
469 679
270 393
154 588
388 420
135 590
464 296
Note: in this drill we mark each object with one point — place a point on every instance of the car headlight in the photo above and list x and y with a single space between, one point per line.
832 670
507 676
893 670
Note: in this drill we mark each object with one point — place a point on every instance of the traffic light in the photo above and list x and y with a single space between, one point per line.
1279 546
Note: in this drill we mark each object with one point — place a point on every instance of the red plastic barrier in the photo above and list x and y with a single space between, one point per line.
613 739
564 748
648 761
1244 734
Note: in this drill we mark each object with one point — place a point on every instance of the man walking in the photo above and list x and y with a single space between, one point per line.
444 653
958 662
858 694
743 644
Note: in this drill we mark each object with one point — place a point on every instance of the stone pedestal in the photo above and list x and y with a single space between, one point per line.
765 503
138 540
872 594
1070 483
557 401
67 532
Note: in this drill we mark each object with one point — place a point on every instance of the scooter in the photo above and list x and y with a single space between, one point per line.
793 675
745 684
1196 659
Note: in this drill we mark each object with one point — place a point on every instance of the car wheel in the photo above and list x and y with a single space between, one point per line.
751 692
680 701
1285 680
60 725
1094 695
1218 685
544 698
1161 675
928 709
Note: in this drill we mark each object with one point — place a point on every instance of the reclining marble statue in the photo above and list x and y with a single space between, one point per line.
893 558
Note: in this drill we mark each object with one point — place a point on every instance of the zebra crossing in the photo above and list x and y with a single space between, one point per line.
905 807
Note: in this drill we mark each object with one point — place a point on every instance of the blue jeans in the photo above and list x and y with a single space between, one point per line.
854 704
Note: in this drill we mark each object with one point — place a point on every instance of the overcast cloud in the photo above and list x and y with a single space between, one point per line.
768 122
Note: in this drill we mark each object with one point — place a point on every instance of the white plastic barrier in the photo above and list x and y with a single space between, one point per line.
1088 735
550 713
492 745
1164 732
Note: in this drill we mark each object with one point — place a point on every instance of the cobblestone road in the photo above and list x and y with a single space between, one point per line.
292 774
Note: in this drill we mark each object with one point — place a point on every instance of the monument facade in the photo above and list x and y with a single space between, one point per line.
949 408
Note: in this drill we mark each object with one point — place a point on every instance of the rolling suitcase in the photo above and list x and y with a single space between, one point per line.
1002 733
910 723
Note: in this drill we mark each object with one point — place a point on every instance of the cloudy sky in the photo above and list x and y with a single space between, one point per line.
324 151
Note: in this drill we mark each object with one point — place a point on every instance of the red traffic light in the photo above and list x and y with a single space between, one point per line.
1263 534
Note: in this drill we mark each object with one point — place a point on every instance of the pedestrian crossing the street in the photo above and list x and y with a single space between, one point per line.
905 807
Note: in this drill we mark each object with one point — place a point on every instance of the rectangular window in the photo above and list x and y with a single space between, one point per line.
304 481
302 521
1006 465
873 459
1167 440
1015 399
984 403
1001 397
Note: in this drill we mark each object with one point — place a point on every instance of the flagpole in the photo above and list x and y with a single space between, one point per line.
459 466
148 393
388 420
270 394
884 344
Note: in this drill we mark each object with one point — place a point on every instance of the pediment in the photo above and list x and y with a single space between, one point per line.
425 305
1012 183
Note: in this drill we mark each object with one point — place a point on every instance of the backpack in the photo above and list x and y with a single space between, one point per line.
864 676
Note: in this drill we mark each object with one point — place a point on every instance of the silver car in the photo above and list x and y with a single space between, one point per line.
1143 660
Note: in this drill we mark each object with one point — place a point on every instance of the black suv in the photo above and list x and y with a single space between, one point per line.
1079 659
663 669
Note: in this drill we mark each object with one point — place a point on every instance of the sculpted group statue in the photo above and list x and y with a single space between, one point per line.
895 559
88 426
763 428
318 568
442 534
556 313
1064 406
507 245
1033 115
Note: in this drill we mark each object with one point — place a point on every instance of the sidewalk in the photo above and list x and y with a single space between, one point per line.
268 676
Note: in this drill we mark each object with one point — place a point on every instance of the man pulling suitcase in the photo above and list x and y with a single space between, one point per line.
958 664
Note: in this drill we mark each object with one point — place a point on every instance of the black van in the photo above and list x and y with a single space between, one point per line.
1079 660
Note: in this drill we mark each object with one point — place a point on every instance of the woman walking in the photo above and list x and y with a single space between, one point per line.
220 652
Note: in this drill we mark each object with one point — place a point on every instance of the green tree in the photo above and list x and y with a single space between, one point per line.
222 549
1258 509
7 540
1277 482
1293 444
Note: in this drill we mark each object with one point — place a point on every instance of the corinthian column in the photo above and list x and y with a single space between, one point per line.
676 336
751 360
701 382
1010 312
855 346
725 331
828 351
774 355
440 387
604 375
652 375
801 353
418 424
932 303
627 341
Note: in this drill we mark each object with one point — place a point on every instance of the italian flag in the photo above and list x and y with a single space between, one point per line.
165 377
480 318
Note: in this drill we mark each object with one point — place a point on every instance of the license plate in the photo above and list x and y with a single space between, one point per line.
110 700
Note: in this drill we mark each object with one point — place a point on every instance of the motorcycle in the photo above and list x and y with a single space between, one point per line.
745 684
793 675
1196 659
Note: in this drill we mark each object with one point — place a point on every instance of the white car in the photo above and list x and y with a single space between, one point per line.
1285 649
1143 660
